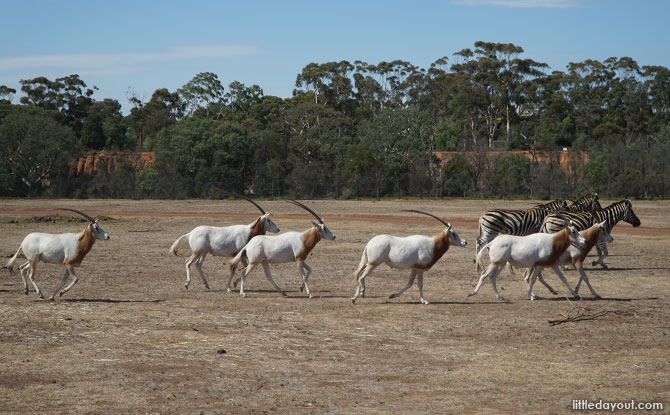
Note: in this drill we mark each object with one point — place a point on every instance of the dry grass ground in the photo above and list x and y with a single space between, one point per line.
129 338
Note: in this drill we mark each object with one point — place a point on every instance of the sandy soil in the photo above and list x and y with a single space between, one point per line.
129 338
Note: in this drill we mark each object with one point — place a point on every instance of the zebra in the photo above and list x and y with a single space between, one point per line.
553 206
622 210
517 222
586 203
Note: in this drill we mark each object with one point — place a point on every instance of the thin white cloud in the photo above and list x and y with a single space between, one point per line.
123 62
520 4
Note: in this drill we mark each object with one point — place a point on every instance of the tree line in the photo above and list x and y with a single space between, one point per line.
354 129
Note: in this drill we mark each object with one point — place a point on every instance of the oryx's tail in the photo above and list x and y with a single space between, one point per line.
10 264
361 266
173 248
480 257
233 263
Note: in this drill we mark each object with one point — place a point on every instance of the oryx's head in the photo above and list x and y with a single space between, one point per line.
96 229
603 233
573 233
268 224
321 226
454 238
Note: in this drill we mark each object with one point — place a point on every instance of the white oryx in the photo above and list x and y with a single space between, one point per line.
576 254
222 241
417 253
68 249
534 251
287 247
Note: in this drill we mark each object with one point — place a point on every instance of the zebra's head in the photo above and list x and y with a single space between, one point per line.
630 216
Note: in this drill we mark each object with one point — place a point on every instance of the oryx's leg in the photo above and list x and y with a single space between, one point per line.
412 275
268 275
62 283
558 272
419 283
244 265
360 284
491 271
539 278
194 257
533 276
244 273
31 275
74 280
198 266
305 271
583 277
22 271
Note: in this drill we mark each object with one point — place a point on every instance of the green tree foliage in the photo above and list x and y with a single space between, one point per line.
34 150
201 92
511 175
457 177
373 129
197 156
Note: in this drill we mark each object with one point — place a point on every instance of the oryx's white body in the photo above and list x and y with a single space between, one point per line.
68 249
417 252
534 251
576 254
279 249
221 241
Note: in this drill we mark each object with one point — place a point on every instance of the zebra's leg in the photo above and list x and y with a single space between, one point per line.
601 248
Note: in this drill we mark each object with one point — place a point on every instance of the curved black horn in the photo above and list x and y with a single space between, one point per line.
295 202
248 200
80 212
425 213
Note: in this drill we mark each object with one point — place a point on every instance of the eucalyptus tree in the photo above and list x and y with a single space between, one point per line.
34 150
201 92
68 95
240 99
6 94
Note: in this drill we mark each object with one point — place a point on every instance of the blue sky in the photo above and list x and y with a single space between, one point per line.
142 45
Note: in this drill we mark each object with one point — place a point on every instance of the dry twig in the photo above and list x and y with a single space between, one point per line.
578 313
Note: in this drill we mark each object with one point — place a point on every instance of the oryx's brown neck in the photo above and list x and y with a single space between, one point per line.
440 247
257 228
560 242
309 240
85 241
591 235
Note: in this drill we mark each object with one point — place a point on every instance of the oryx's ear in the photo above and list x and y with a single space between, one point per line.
449 227
315 224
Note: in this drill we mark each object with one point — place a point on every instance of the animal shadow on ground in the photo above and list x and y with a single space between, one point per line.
108 301
578 299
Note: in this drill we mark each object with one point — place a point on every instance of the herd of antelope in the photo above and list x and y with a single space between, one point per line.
544 236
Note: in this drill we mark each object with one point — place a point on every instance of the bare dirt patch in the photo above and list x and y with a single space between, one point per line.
129 338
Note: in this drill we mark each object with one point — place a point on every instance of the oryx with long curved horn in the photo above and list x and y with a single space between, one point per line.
222 241
68 249
287 247
417 253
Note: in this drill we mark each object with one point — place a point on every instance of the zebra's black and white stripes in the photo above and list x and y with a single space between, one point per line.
517 222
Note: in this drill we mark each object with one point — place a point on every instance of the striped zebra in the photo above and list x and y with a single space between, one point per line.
517 222
612 214
586 203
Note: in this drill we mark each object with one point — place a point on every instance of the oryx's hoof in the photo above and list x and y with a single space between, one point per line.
424 301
